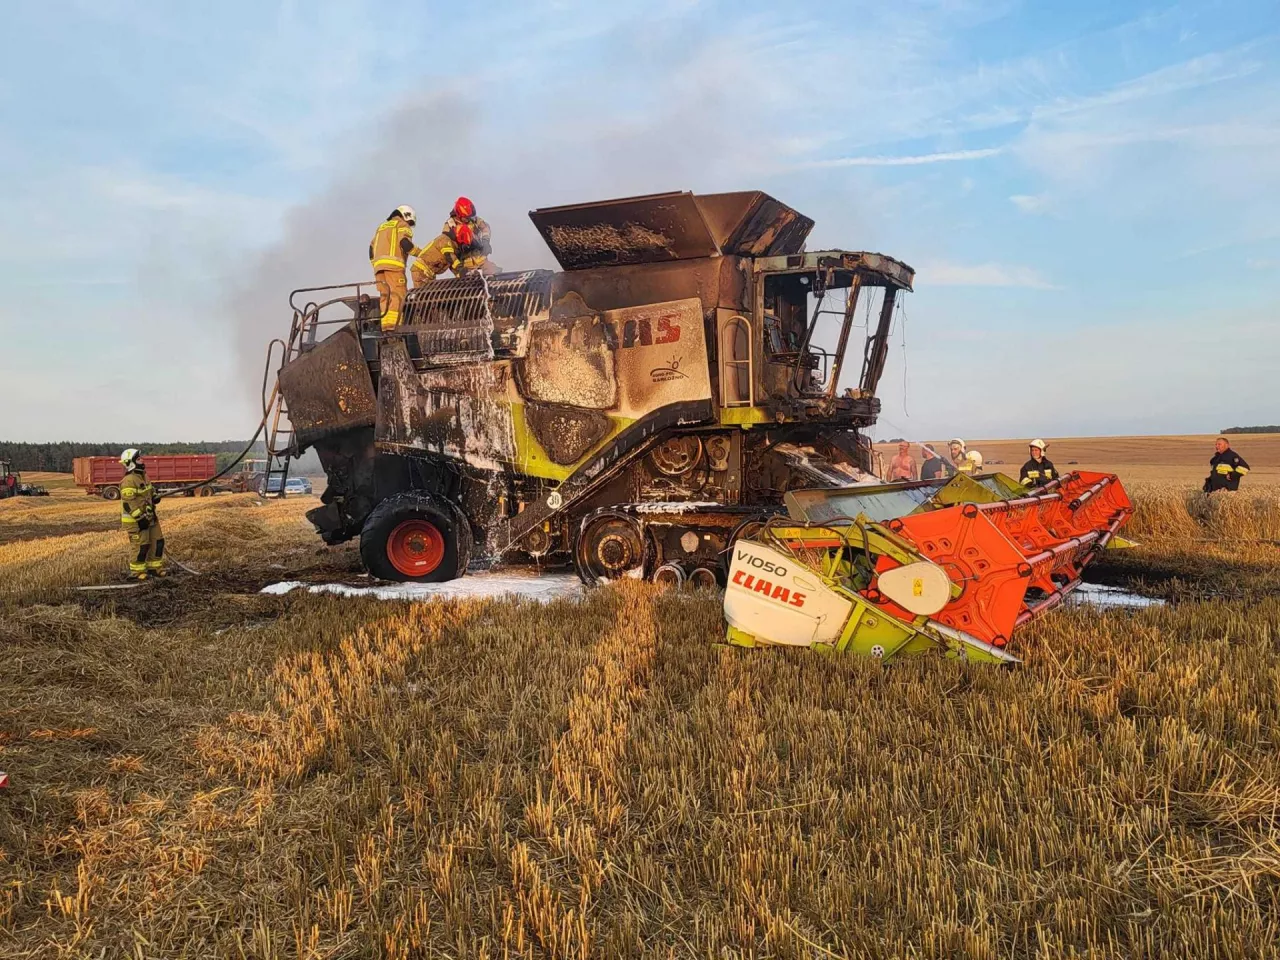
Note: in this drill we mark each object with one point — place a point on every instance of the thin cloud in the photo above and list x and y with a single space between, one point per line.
1029 203
915 160
945 274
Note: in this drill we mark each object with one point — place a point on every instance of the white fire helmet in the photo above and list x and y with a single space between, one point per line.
407 213
1037 442
130 459
974 457
956 440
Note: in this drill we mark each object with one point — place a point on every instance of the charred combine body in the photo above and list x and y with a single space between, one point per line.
666 407
630 412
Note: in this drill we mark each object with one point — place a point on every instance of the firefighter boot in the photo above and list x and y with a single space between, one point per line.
156 561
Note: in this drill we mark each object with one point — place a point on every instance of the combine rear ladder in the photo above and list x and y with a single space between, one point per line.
279 441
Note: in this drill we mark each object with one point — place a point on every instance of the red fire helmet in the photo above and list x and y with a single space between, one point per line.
464 235
464 209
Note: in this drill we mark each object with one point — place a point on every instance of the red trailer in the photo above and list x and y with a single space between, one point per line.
101 476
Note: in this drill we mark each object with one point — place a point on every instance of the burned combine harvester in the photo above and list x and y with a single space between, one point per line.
630 412
673 390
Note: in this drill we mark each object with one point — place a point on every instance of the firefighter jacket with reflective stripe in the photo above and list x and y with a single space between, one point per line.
392 245
1036 473
137 500
1225 471
480 233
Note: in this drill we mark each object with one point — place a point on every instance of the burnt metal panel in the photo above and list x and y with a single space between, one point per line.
875 269
751 223
649 229
328 389
615 288
566 433
570 361
460 412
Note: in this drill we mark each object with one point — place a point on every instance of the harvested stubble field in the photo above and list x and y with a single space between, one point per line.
199 770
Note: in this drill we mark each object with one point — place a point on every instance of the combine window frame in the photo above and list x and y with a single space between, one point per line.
731 364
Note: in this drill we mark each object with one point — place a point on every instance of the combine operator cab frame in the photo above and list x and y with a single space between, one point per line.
773 362
786 287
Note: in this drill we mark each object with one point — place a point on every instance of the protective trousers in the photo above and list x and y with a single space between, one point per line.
148 549
391 291
436 257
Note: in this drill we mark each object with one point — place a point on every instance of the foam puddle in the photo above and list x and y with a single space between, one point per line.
1105 597
531 586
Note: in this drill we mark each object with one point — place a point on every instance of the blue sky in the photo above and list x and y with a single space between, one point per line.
1090 192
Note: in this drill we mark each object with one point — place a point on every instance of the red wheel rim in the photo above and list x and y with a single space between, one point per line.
415 548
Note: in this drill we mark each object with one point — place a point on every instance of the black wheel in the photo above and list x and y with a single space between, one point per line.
110 493
415 538
610 546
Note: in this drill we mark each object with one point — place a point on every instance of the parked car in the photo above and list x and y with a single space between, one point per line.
293 485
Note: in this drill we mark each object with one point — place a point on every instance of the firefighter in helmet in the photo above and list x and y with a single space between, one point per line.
1039 470
392 245
138 499
463 247
475 253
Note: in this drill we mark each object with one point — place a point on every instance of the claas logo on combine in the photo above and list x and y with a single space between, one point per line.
641 333
758 584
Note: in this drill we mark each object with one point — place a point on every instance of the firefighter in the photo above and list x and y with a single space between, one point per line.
138 499
1039 470
964 460
391 247
439 255
475 254
1226 467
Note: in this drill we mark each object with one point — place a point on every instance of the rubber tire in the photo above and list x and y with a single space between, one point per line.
442 514
110 493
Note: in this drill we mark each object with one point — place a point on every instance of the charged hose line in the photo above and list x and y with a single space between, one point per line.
262 424
224 471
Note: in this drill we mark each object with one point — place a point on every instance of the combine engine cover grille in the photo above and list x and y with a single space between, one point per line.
509 298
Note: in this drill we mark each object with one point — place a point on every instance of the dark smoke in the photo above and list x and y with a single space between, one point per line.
430 149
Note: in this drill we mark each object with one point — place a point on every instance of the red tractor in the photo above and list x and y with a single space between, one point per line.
11 484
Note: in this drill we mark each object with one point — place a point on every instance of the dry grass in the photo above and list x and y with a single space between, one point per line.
206 773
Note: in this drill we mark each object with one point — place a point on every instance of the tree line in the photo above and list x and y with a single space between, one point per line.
57 457
1269 428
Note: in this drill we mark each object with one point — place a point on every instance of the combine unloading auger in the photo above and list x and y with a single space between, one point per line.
899 569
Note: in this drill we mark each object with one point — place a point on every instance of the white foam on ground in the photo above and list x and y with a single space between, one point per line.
530 586
1100 595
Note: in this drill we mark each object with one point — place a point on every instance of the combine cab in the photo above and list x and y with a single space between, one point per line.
634 413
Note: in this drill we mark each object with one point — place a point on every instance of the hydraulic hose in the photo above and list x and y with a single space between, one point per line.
262 424
224 471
